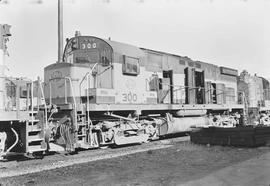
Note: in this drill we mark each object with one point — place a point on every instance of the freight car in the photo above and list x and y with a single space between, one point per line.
110 93
22 112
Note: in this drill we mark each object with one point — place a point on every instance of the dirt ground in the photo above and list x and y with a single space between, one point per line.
174 165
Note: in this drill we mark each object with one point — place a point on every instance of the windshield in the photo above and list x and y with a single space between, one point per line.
87 57
88 50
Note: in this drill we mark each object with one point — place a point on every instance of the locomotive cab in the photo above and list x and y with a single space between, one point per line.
86 60
106 71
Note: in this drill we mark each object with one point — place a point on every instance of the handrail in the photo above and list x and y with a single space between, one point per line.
72 94
50 93
205 89
65 92
32 103
87 76
16 141
13 145
45 106
87 99
74 100
180 87
190 88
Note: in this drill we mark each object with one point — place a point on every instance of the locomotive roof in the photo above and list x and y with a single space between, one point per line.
132 50
186 58
128 49
123 48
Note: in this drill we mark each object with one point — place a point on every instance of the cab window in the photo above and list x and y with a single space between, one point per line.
131 65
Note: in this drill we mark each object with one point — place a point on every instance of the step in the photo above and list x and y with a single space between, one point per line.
35 148
34 121
34 138
33 112
81 124
34 128
81 135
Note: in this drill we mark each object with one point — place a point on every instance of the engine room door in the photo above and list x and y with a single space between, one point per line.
190 85
199 84
213 93
221 96
208 93
169 75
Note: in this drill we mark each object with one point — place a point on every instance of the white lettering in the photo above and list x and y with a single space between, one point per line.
130 97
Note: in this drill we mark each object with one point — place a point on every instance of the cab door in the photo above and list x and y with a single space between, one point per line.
104 76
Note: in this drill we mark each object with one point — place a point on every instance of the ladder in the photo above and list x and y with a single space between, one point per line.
35 133
85 135
37 123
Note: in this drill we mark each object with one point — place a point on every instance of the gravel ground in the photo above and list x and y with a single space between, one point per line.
176 162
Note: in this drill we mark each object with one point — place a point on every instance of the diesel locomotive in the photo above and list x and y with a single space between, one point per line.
110 93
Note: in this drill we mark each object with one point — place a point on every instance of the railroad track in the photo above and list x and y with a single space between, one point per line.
16 168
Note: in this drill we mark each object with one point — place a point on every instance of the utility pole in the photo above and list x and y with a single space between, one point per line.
60 31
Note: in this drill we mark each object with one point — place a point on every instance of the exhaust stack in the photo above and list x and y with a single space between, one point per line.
60 31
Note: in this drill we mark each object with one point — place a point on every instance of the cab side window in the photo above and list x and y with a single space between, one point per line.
131 65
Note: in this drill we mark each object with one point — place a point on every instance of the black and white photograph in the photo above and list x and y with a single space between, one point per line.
135 92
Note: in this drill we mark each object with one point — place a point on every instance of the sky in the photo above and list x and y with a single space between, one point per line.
231 33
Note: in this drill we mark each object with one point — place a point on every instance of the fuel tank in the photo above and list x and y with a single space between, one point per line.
197 112
184 124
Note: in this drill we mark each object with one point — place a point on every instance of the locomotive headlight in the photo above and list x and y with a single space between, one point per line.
74 44
83 46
